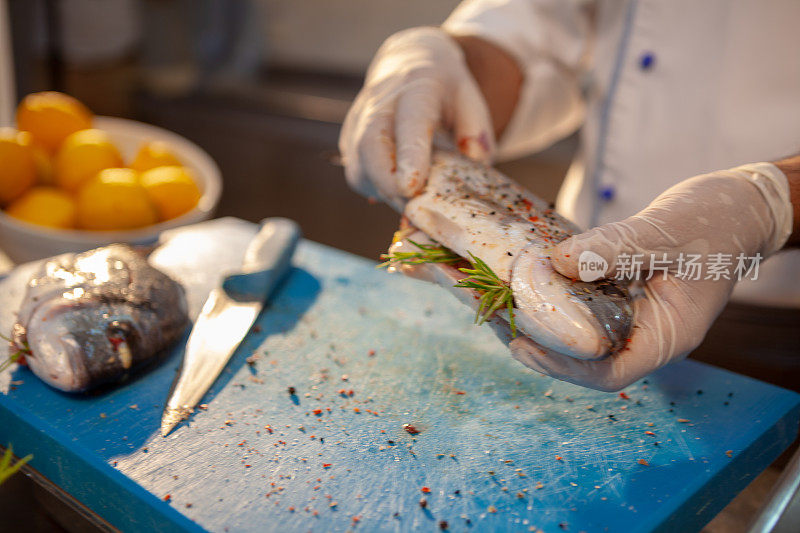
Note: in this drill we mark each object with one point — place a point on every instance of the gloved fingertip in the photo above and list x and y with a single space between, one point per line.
565 258
411 182
477 147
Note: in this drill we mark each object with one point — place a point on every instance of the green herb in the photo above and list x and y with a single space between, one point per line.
495 293
426 253
6 468
14 357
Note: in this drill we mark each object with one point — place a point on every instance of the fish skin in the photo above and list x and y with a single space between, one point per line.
471 208
93 318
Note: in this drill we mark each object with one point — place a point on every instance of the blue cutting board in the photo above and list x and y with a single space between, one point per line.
499 447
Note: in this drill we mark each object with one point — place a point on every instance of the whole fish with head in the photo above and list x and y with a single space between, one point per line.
93 318
479 233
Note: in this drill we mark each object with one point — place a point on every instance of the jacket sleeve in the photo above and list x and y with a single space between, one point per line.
549 39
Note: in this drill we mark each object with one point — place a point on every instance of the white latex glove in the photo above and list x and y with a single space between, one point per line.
417 82
746 210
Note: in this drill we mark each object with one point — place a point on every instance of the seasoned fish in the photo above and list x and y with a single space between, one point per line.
91 318
477 212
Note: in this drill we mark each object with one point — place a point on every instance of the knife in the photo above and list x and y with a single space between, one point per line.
228 314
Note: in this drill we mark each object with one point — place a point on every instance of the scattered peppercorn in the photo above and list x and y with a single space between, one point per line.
423 503
443 525
410 429
292 390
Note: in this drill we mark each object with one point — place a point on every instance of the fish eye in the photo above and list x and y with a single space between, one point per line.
118 331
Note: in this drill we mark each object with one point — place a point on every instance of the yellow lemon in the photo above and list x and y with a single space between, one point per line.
46 206
44 166
51 116
115 200
154 154
171 189
17 164
82 155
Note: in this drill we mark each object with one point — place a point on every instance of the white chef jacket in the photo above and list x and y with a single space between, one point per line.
662 90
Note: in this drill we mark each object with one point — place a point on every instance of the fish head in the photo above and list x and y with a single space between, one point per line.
76 345
586 320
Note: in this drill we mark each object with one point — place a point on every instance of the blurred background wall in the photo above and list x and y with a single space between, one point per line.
262 85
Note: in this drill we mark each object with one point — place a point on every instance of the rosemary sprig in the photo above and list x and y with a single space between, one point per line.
426 253
495 293
6 468
14 357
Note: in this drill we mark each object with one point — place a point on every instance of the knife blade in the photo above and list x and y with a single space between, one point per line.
228 314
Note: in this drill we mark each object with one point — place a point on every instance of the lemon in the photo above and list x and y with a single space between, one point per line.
46 206
44 166
154 154
82 155
172 190
115 200
17 164
51 117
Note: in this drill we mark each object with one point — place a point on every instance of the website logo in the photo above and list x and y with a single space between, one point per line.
591 266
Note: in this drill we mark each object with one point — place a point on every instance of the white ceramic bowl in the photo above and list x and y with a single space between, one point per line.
22 241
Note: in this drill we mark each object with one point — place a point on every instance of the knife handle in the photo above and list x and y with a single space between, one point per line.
266 261
272 248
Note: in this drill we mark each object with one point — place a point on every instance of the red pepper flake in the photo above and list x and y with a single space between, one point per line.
533 219
459 392
356 519
410 429
317 411
528 204
371 353
426 490
683 420
356 410
168 497
559 458
327 465
643 462
624 396
650 433
729 453
492 509
291 509
115 342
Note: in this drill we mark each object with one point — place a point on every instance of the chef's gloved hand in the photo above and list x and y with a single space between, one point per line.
417 82
740 212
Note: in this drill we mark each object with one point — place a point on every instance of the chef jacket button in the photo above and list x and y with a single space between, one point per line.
606 193
647 60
